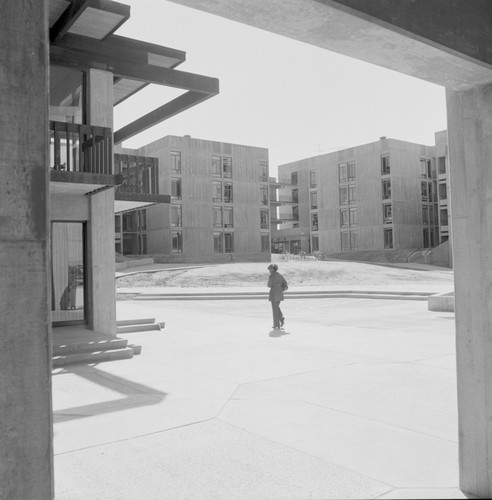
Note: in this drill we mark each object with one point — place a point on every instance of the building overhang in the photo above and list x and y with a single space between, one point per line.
440 41
134 63
62 182
125 202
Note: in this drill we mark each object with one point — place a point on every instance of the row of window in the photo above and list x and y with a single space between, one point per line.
222 217
221 166
223 242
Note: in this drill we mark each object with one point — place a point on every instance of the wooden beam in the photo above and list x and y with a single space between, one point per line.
160 114
136 71
76 9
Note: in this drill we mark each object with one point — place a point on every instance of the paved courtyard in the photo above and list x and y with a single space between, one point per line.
356 398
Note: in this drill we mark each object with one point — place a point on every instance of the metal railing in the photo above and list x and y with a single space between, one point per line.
81 148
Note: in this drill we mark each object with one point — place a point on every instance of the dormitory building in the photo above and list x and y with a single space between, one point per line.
389 194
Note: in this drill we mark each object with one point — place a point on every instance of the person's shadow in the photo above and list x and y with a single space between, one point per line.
278 333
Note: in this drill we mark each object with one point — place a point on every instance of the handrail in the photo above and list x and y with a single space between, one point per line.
81 148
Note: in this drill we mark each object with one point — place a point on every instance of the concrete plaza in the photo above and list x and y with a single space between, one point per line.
355 398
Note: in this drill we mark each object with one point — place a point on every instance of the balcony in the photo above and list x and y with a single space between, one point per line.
81 157
139 185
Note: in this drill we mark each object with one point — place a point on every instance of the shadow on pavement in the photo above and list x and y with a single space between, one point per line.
278 333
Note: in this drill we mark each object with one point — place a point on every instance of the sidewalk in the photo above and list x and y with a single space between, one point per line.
356 398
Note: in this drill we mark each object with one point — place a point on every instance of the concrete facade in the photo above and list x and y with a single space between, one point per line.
376 196
219 207
25 372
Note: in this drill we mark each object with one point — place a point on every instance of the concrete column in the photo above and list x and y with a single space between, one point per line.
102 262
470 153
26 470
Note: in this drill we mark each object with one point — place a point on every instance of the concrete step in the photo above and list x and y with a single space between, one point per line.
138 328
83 346
93 357
129 322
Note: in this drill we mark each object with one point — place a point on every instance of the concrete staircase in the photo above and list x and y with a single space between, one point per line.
77 345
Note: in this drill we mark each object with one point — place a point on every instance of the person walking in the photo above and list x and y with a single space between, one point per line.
278 285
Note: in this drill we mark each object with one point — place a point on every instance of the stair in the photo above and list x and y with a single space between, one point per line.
77 345
138 325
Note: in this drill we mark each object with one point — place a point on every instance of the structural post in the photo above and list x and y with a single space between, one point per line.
470 154
26 470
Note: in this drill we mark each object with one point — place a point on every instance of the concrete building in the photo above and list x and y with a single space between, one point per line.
219 206
376 196
446 43
63 71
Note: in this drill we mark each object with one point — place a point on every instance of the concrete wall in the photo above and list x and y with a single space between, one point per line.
406 199
197 203
26 466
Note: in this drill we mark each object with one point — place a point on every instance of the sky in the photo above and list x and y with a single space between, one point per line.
293 98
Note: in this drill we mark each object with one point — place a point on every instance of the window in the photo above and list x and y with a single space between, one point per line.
295 196
228 217
387 213
218 243
264 195
424 191
385 164
313 182
354 240
343 195
265 242
423 167
353 216
263 171
263 218
295 213
175 162
217 192
431 215
176 188
227 167
342 172
351 172
229 242
217 216
441 165
443 214
345 242
142 220
176 216
386 189
388 238
430 191
227 192
177 241
314 200
443 192
293 178
426 238
315 243
314 222
344 218
425 215
352 194
216 167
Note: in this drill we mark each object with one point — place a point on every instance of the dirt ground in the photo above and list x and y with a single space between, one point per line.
297 273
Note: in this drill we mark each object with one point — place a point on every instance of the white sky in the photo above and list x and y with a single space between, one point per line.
295 99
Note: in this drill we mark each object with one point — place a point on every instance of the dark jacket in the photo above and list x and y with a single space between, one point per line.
277 285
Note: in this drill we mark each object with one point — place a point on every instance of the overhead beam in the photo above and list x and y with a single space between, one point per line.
128 69
160 114
77 8
116 47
